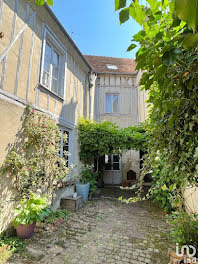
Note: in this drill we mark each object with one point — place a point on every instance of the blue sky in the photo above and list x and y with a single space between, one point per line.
95 27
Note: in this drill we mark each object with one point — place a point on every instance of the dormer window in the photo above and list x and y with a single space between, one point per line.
111 67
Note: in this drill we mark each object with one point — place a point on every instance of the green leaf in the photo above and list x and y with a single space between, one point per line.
187 10
50 2
131 47
190 40
119 4
124 15
154 4
39 2
171 56
164 187
137 12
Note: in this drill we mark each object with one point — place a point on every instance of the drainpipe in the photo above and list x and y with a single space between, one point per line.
92 84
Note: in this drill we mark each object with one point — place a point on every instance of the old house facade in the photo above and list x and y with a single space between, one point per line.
118 99
41 65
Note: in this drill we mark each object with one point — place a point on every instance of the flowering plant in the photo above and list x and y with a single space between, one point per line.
34 160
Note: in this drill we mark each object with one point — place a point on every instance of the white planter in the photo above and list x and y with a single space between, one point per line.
190 199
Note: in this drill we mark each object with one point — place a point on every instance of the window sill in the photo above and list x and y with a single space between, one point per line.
47 91
112 113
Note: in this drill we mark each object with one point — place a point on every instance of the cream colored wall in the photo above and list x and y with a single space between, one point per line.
19 67
10 120
126 87
19 84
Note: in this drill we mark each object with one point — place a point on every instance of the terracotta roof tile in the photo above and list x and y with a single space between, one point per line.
99 64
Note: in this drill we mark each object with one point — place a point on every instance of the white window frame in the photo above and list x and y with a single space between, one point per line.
63 129
59 49
112 94
114 162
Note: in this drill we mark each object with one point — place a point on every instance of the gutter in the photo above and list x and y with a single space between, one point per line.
119 73
67 35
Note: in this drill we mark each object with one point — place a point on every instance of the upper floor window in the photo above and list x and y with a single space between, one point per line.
53 65
112 103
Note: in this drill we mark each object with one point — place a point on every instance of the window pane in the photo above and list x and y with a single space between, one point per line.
115 104
116 166
54 86
45 80
108 103
47 59
108 166
55 64
116 158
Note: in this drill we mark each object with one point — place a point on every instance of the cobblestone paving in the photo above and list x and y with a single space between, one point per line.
104 231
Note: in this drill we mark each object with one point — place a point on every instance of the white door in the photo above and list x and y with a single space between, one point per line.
113 172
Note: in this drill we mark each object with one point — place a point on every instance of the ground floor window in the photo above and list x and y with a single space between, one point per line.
64 146
112 162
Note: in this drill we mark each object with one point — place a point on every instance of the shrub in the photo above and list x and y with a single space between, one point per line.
53 216
184 228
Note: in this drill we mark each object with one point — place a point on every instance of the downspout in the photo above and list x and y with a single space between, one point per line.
92 83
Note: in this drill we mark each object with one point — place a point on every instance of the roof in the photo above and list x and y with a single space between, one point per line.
101 64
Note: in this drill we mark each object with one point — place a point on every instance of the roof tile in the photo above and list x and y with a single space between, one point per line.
99 64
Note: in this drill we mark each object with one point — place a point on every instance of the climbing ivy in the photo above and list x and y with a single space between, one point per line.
168 56
98 139
34 161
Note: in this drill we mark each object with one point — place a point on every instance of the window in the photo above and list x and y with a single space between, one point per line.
53 70
64 148
111 67
112 103
112 162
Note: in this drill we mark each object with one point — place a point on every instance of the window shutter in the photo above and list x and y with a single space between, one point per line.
63 76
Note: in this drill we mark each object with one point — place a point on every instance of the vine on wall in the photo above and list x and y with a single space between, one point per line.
98 139
34 161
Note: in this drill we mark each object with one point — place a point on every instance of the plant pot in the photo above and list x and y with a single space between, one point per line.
83 190
25 231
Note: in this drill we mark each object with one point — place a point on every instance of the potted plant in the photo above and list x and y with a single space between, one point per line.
184 233
30 211
87 185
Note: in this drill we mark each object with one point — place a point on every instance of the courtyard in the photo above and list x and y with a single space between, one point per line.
103 231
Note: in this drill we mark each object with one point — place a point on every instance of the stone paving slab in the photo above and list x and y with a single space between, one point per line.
104 231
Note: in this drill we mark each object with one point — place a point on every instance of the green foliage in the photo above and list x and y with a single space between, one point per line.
34 161
188 11
88 175
31 210
164 190
184 228
13 244
120 4
98 139
53 216
168 57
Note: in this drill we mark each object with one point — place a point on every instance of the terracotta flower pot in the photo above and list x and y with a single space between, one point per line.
25 231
